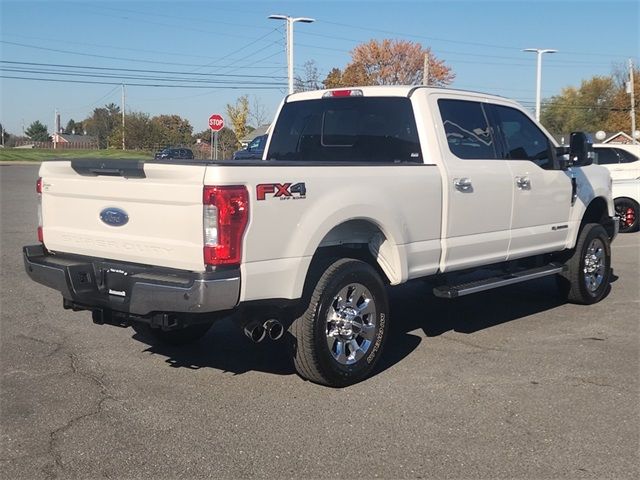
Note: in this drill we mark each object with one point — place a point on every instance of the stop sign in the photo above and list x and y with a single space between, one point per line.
216 122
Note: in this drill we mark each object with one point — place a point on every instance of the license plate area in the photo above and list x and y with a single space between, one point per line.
117 282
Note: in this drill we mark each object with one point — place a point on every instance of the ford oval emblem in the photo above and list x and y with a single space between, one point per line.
113 216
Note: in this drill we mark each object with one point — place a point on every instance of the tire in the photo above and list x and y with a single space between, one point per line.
181 336
339 338
627 210
586 280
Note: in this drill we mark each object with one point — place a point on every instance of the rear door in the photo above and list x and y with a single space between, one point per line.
127 211
541 191
477 210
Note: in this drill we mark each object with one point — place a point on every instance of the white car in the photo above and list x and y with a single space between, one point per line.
626 198
623 161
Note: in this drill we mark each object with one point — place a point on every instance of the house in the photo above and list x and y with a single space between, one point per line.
248 138
619 137
71 140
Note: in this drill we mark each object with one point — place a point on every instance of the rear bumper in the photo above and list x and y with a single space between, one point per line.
131 288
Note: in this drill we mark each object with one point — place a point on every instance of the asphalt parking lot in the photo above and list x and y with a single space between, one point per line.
510 383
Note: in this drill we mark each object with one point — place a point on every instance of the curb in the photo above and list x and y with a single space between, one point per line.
19 162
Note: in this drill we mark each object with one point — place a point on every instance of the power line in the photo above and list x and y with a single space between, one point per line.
230 86
190 19
62 65
84 107
93 55
133 77
111 47
241 48
460 42
149 22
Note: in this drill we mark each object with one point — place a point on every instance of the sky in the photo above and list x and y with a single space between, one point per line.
233 44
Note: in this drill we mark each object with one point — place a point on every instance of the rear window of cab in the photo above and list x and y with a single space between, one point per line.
348 130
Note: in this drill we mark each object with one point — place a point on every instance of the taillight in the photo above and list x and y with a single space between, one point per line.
39 192
224 220
343 93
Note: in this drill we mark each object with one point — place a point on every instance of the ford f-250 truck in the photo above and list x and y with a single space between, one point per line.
358 189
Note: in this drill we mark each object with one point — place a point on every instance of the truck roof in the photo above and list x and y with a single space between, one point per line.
387 91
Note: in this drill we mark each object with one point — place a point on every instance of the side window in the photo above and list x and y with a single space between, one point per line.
523 139
605 156
626 157
467 129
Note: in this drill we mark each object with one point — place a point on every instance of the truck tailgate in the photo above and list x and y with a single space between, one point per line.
150 214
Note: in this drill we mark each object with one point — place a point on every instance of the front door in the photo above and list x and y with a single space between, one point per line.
541 192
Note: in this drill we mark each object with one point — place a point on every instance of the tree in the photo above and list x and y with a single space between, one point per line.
74 127
600 103
5 136
258 113
102 123
140 133
310 80
390 62
227 142
238 115
333 79
173 129
38 132
620 117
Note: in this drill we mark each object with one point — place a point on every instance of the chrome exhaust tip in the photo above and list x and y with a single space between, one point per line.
274 329
255 332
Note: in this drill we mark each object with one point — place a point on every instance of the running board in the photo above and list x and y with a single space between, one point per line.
454 291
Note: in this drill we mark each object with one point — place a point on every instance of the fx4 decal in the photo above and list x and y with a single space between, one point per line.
283 191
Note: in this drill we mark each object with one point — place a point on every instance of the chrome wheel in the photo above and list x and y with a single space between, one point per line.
351 324
594 265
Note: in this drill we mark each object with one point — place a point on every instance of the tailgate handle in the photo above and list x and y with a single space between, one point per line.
111 168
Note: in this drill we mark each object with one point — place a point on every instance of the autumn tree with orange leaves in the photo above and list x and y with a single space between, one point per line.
389 62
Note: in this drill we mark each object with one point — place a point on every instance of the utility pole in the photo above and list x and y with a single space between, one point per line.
425 70
123 104
56 127
633 103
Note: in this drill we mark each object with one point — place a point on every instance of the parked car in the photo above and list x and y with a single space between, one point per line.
626 198
622 161
254 151
360 189
174 153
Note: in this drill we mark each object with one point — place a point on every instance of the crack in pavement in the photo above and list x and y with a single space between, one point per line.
53 469
54 436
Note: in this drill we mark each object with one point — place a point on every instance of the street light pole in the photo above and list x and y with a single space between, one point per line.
539 52
290 21
634 140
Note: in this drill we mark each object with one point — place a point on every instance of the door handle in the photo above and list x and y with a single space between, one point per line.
523 183
463 184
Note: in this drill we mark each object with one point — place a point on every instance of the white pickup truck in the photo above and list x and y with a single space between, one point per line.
357 189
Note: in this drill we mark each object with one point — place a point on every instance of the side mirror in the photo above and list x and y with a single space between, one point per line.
580 149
